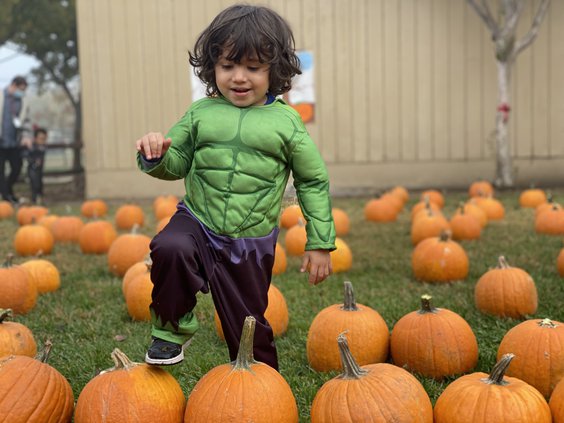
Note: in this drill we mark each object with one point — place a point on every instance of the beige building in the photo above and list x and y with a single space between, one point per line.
405 90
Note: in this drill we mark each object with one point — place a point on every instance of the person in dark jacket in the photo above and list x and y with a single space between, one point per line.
35 163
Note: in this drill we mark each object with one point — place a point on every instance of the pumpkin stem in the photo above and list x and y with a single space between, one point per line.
498 371
351 369
5 314
445 235
544 323
503 263
135 229
44 357
120 360
461 207
245 354
426 306
349 303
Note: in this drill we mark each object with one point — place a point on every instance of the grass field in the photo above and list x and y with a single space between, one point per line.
87 315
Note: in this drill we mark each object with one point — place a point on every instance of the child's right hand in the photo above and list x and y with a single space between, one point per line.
153 145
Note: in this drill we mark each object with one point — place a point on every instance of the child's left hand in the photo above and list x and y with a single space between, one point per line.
318 264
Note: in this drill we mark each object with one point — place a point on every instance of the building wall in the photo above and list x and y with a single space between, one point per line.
405 90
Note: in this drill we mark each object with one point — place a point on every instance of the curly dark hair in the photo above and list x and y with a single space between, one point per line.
247 31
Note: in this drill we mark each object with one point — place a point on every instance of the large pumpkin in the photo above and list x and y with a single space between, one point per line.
367 333
538 346
126 250
360 394
276 313
31 391
434 342
130 393
17 291
506 291
479 398
242 391
15 338
439 259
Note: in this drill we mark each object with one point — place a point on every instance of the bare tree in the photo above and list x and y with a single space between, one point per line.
507 47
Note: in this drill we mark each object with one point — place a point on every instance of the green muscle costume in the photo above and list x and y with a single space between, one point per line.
236 162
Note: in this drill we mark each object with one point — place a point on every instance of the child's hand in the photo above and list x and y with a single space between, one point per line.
153 145
318 264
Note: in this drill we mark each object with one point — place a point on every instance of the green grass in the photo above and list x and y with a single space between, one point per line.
86 314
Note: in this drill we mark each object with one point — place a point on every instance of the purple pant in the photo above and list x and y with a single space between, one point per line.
187 258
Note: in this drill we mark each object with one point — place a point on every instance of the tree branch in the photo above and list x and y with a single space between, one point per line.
513 8
483 11
524 42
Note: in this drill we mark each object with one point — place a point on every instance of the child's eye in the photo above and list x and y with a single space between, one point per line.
253 68
226 67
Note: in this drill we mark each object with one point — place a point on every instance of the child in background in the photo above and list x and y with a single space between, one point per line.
35 162
235 150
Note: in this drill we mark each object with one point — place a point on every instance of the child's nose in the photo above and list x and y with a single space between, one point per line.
239 74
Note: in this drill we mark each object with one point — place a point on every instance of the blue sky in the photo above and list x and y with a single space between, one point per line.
13 63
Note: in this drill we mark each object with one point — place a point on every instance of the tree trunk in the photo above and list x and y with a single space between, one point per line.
504 166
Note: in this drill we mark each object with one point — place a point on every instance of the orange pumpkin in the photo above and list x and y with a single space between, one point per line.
341 257
367 332
129 215
165 198
96 237
360 394
291 216
280 260
477 212
43 274
15 338
428 224
295 240
138 297
434 342
165 209
481 189
465 226
556 403
126 250
33 239
550 222
31 391
531 198
342 221
439 259
67 228
276 314
434 196
380 210
506 291
539 356
130 393
94 208
135 269
305 111
493 208
30 214
47 220
17 291
400 192
479 398
6 210
242 391
162 223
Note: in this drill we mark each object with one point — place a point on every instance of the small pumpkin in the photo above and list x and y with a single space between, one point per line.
95 208
135 269
493 208
481 188
130 393
439 259
506 291
43 274
380 210
165 209
241 391
276 313
15 338
295 240
556 403
434 196
428 224
162 223
360 394
129 215
30 214
341 256
550 222
401 192
531 198
17 291
165 198
434 342
96 237
342 221
280 260
126 250
465 226
6 210
290 216
422 205
33 239
138 296
31 391
67 228
539 356
482 398
367 332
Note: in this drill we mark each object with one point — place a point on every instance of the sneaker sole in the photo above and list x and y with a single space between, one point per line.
168 361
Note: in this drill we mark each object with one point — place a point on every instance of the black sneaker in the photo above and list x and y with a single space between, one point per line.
165 353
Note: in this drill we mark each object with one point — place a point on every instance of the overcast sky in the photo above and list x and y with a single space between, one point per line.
13 63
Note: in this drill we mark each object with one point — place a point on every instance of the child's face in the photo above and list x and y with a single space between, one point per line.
40 138
243 84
